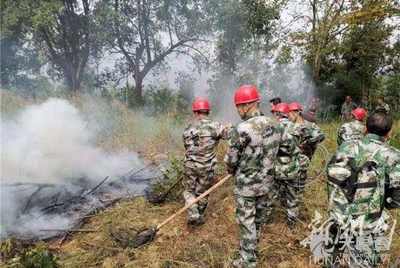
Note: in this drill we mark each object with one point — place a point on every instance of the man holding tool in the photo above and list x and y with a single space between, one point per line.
200 139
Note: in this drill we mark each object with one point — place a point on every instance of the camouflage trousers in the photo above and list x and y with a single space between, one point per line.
289 194
251 214
303 169
197 181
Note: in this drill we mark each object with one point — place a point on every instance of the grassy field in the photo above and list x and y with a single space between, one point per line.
211 245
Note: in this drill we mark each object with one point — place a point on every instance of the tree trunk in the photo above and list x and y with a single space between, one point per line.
317 64
136 97
73 80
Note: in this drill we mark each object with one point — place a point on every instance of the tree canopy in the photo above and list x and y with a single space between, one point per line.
343 47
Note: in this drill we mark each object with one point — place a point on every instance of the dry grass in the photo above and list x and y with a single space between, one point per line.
11 103
211 245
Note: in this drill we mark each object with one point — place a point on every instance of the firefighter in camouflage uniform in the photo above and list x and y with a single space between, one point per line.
363 180
346 109
287 166
253 146
382 106
310 135
200 139
354 130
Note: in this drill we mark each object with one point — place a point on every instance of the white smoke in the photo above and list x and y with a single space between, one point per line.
49 159
51 142
290 82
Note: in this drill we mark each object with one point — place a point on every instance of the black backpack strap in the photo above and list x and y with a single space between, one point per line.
351 184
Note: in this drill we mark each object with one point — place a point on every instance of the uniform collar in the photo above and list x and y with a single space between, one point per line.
374 137
283 119
203 120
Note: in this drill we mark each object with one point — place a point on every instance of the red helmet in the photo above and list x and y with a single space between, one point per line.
200 104
282 108
359 113
246 94
295 106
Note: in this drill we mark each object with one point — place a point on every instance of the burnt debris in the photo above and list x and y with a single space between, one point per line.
32 211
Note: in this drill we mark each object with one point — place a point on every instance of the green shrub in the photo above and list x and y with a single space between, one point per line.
165 101
38 257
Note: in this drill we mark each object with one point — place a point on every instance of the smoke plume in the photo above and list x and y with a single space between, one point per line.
51 142
53 174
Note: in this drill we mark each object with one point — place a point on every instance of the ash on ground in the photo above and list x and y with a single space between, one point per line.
32 211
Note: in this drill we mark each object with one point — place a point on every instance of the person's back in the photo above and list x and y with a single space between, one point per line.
363 180
201 138
253 146
364 165
346 109
354 130
287 167
382 106
310 136
351 131
289 151
257 140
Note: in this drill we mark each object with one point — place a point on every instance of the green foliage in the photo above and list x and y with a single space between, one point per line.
172 173
19 60
185 84
61 31
135 30
242 27
165 101
37 256
391 89
348 47
244 31
395 135
261 16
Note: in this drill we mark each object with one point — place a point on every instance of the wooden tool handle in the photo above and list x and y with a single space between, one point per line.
212 188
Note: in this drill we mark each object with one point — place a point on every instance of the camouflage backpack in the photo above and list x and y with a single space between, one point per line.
364 189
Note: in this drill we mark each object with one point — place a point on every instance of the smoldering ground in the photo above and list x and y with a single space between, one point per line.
53 173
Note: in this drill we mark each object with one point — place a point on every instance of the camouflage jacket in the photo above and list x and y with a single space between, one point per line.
287 164
200 139
310 135
346 110
383 108
253 146
350 131
359 175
